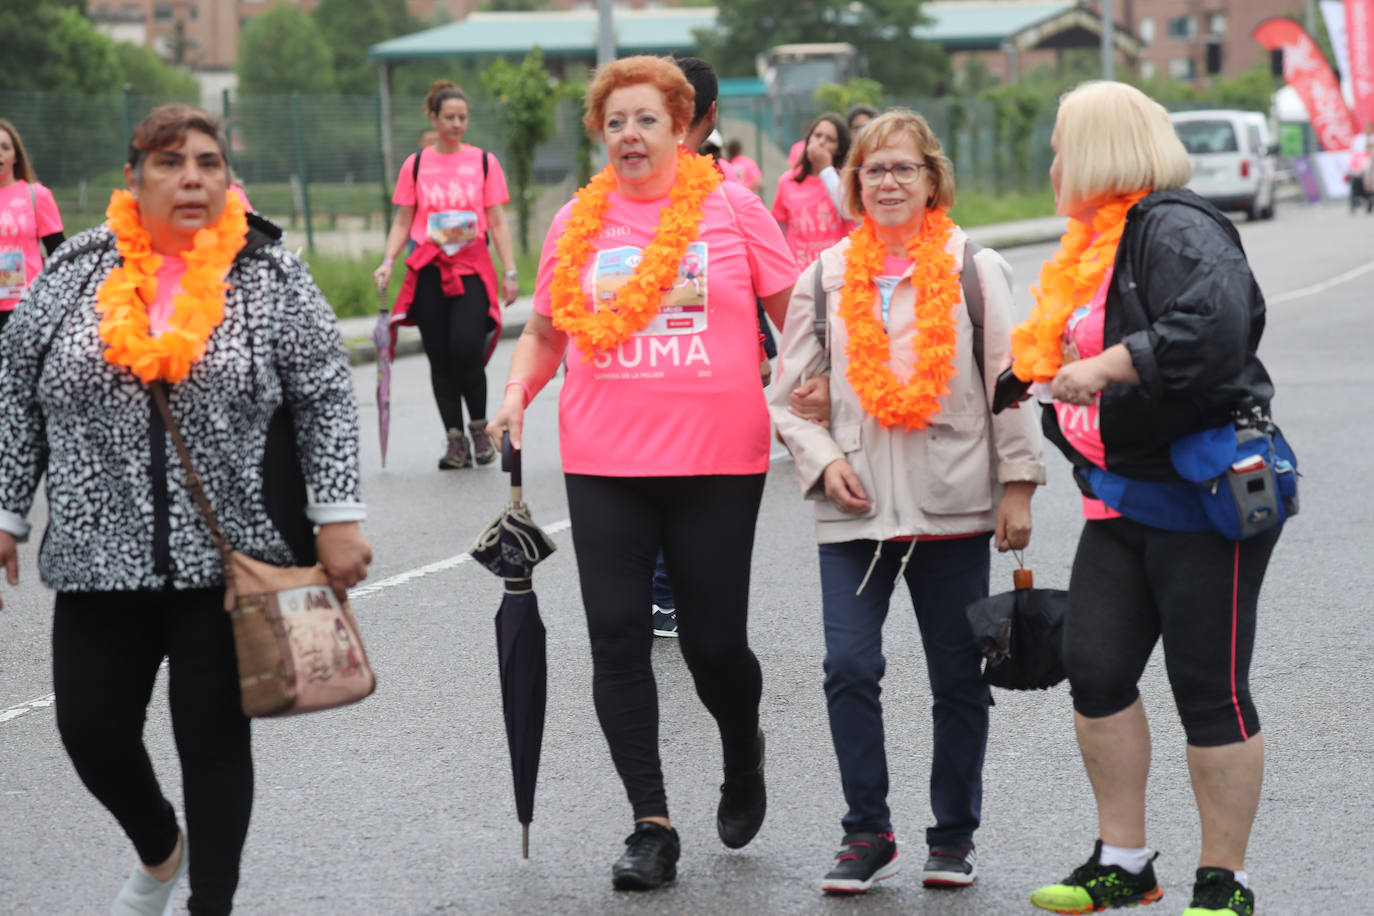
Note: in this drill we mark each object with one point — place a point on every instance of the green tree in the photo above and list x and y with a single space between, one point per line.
350 27
283 51
27 29
529 97
72 56
879 29
147 74
836 97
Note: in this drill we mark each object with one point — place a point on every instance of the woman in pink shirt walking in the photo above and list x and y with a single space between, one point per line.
28 216
449 199
663 430
807 204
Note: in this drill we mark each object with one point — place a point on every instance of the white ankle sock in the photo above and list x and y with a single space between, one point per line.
1133 860
1242 879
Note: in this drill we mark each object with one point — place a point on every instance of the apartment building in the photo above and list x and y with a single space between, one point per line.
1176 33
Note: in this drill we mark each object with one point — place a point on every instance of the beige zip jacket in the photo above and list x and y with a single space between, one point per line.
945 479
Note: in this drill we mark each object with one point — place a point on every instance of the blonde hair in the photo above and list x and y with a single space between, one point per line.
1113 139
660 72
894 126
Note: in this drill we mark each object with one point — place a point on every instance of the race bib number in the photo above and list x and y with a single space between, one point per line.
682 310
452 229
13 279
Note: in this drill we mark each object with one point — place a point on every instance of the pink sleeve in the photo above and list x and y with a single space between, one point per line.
494 192
543 302
775 268
405 184
49 220
780 201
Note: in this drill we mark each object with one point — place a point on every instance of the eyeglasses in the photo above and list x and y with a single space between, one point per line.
903 172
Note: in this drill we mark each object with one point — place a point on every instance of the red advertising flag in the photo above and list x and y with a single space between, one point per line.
1359 37
1307 71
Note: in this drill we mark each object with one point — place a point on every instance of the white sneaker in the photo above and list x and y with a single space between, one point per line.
144 895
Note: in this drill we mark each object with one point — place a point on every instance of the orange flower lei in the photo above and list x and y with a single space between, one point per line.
124 296
891 401
636 302
1067 282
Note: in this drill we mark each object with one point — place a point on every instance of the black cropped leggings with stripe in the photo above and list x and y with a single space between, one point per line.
1133 584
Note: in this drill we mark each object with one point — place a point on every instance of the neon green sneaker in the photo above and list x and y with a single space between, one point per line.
1094 887
1217 893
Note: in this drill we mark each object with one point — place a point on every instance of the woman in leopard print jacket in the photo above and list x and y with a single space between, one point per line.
136 575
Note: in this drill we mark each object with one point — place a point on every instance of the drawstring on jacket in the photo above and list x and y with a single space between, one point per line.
877 554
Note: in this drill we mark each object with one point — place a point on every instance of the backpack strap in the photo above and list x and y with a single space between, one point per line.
973 299
415 169
820 323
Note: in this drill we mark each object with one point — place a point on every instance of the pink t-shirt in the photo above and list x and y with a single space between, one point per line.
23 221
242 196
160 310
451 205
747 169
813 224
795 153
1084 335
681 397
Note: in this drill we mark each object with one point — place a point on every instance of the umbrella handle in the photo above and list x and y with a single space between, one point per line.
510 459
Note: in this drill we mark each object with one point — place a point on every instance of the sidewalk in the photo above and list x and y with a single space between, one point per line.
357 332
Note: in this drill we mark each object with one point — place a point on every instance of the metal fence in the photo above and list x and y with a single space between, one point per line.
315 163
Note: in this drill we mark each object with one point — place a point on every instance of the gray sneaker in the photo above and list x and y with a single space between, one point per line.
144 895
456 455
483 450
665 621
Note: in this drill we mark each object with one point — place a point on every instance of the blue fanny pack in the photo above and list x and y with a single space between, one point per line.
1242 481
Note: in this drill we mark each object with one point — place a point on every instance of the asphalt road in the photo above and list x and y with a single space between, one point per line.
403 804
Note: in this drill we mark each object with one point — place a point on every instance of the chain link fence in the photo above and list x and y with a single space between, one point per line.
315 164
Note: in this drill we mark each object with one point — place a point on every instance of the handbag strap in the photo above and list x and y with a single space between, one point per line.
197 488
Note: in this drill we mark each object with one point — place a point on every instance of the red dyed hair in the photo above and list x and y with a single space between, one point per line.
662 73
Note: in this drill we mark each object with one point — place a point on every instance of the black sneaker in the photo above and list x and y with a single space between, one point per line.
950 866
743 803
665 621
650 860
1217 893
865 859
1094 886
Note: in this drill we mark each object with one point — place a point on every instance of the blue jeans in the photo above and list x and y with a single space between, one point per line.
663 586
944 577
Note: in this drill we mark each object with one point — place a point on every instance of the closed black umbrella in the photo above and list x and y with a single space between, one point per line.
1021 633
510 547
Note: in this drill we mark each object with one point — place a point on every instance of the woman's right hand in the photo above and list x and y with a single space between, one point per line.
9 558
843 489
381 277
510 418
818 155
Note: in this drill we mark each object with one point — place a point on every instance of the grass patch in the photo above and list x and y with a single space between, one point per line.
979 208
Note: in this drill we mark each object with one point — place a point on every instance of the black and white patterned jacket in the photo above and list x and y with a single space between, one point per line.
120 516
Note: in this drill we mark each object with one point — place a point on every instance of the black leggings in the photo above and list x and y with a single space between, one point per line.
1132 584
705 526
454 332
107 647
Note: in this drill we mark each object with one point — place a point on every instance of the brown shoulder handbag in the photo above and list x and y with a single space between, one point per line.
298 645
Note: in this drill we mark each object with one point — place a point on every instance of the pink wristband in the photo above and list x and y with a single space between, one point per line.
523 387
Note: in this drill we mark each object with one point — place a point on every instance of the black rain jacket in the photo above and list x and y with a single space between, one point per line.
1187 307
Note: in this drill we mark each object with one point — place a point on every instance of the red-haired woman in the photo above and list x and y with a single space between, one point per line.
28 216
449 200
647 281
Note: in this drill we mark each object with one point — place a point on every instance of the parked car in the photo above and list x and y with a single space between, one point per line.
1234 158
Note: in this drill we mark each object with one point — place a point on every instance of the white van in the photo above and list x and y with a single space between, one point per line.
1234 158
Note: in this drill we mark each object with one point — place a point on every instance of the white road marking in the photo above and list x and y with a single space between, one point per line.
1323 286
14 712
